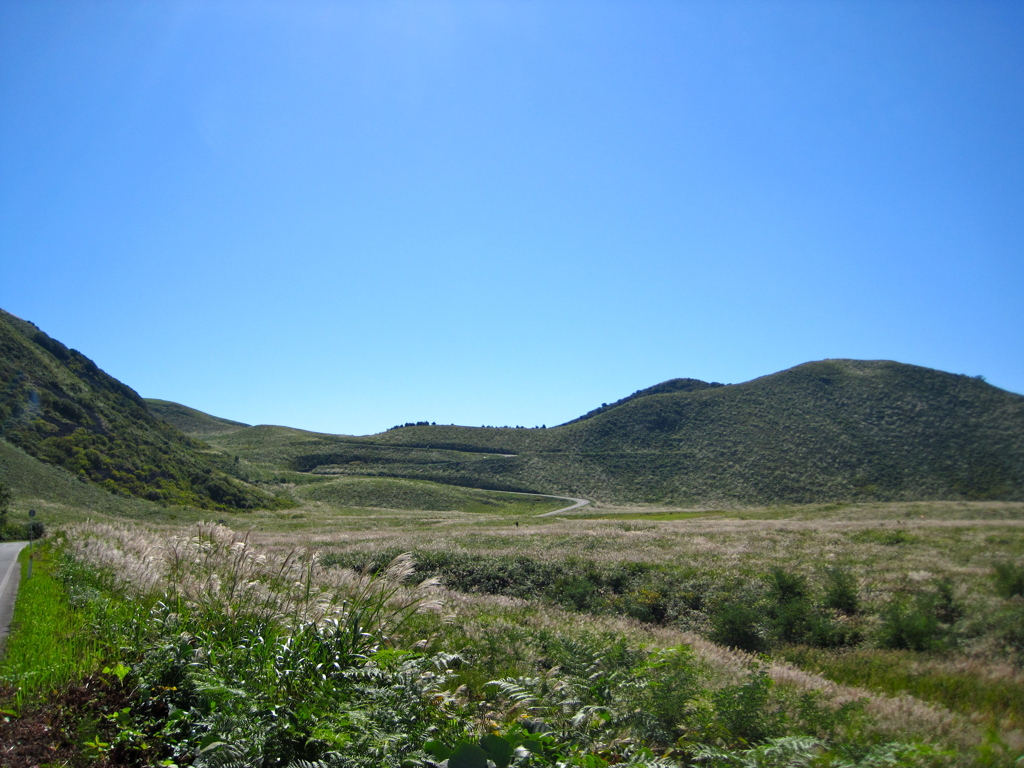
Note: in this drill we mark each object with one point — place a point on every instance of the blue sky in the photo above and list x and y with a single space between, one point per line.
343 216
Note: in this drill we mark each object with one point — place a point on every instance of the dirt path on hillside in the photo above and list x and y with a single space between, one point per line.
577 503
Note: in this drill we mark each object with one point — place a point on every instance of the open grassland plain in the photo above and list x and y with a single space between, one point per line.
830 634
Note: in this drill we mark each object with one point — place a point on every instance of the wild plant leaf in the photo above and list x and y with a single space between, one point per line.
467 756
437 750
498 749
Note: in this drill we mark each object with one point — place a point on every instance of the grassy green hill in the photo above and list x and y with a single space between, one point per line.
190 421
833 430
672 385
830 430
28 477
57 406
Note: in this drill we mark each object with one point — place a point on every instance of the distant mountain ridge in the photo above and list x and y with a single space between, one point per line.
832 430
59 407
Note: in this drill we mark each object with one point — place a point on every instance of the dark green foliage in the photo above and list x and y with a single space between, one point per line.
5 502
792 615
1009 579
841 591
1010 623
655 594
6 496
785 587
910 625
781 608
58 406
737 624
745 713
947 608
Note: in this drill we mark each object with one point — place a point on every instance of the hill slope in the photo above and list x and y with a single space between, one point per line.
672 385
59 407
828 430
190 421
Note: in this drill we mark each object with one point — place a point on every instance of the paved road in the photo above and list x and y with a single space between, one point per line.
10 575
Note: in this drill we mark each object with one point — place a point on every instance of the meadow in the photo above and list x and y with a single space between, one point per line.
829 634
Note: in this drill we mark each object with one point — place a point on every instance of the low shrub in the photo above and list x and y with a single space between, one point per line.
841 591
1010 631
910 625
745 712
737 624
1009 579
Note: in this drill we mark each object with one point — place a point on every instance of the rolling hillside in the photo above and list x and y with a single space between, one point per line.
56 405
190 421
833 430
829 430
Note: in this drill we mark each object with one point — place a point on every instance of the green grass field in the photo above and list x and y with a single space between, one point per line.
927 639
392 493
913 609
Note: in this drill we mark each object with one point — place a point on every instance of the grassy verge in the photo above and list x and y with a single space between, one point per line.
51 643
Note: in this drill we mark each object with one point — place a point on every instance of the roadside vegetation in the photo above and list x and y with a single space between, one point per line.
199 647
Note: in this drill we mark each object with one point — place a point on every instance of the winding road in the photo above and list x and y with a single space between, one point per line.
576 505
10 575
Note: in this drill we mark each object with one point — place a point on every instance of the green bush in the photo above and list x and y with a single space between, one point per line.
744 712
947 608
1009 579
737 624
1010 624
785 587
910 625
5 502
841 591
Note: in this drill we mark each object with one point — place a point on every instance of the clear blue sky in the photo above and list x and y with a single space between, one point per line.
343 216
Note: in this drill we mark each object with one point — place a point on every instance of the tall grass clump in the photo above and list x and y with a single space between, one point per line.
248 657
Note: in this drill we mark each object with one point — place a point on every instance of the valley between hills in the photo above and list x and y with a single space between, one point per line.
824 565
